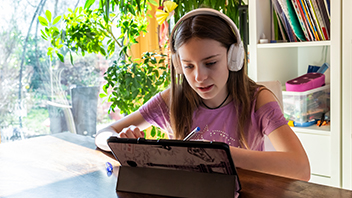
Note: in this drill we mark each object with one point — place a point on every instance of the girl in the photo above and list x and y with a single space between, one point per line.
210 90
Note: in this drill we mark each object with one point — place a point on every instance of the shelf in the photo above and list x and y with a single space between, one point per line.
295 44
285 61
316 130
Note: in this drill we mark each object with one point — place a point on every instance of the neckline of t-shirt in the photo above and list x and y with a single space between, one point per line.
204 108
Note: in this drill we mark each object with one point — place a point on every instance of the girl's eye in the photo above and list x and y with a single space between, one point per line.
211 63
188 66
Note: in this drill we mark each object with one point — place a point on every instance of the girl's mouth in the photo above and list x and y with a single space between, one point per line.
204 89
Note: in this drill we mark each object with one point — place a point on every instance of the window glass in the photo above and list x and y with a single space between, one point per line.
40 96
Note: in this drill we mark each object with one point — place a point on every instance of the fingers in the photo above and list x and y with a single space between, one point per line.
131 132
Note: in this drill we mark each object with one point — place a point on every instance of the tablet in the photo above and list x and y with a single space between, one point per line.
196 156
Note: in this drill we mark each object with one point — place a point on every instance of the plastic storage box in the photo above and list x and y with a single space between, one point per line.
304 106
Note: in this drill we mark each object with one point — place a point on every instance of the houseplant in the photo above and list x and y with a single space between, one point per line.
88 30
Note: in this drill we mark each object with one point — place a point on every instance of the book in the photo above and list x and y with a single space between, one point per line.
315 19
282 30
285 21
309 20
319 16
327 6
290 14
310 30
274 26
302 20
324 14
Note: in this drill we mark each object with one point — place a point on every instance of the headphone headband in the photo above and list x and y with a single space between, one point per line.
236 51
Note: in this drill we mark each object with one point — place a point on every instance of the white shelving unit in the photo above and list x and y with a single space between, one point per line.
285 61
347 95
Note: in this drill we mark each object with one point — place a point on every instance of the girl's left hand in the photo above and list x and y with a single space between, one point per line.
131 132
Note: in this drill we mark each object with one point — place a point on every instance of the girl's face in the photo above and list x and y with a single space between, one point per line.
204 64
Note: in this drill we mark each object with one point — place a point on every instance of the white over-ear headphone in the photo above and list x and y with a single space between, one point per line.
235 53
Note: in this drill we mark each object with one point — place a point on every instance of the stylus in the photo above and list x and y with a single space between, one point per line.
191 134
108 166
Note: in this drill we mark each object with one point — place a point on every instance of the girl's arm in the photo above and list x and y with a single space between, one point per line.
289 159
131 126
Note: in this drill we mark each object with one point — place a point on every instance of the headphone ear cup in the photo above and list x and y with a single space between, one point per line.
235 57
176 63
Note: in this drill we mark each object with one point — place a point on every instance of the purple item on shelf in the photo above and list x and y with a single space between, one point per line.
306 82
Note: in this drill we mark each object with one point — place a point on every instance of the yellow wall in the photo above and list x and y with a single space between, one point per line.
148 42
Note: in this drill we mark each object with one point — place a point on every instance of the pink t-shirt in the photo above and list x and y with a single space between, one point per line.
220 124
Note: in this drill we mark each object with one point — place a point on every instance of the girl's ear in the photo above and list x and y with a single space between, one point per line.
235 57
175 59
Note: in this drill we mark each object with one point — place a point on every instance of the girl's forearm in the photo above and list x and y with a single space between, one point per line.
287 164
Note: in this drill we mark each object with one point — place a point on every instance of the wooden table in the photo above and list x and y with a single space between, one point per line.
69 165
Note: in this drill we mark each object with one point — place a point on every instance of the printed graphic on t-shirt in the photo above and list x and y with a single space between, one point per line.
214 135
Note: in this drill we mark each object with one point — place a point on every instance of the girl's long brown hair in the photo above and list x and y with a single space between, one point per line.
184 100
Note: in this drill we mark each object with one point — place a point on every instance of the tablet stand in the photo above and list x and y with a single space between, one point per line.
176 183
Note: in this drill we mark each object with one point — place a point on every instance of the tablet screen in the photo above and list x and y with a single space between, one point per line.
206 157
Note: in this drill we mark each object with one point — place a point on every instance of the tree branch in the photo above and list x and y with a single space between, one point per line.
113 37
76 5
41 3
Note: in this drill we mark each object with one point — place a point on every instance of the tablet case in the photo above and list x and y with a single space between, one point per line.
175 168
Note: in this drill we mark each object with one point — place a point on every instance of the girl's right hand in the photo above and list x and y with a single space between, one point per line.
131 132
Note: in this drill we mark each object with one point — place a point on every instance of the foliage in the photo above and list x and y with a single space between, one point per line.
10 44
230 8
34 117
86 72
135 83
89 30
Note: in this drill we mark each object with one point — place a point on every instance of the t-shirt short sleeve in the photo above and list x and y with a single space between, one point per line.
270 117
156 112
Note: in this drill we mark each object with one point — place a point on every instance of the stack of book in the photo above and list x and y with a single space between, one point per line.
300 20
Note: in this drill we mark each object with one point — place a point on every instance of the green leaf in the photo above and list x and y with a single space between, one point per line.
139 5
63 35
153 60
57 19
153 132
111 49
44 36
61 57
135 93
158 83
48 15
71 58
43 33
55 30
88 4
102 95
153 2
105 88
107 6
102 51
159 133
43 21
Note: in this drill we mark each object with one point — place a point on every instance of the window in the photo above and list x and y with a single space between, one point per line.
40 96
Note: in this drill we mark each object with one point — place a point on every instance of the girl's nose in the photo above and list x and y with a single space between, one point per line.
201 74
